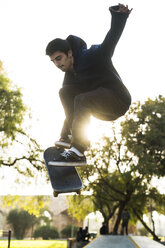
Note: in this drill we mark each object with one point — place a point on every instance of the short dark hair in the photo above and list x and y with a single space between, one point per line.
57 45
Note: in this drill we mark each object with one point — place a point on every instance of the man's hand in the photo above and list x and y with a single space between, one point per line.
121 8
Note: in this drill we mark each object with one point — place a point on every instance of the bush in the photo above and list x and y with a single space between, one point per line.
46 232
66 231
143 232
20 222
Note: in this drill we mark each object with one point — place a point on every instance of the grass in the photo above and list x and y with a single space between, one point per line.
34 244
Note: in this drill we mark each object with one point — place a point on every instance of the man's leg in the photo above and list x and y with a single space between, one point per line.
102 103
126 228
122 229
67 95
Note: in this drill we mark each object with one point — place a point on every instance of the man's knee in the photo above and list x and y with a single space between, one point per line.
62 93
69 91
81 100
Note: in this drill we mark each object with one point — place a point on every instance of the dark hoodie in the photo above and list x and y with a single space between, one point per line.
93 67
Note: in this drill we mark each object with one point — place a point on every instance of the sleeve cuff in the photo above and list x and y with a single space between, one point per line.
114 10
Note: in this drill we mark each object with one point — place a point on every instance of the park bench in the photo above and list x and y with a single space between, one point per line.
7 234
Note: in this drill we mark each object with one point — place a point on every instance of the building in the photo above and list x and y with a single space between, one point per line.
57 210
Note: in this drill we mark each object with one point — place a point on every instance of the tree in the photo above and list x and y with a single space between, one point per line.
12 134
79 207
12 109
20 221
34 205
144 133
121 167
109 187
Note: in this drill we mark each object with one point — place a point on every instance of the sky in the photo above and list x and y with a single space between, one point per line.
28 25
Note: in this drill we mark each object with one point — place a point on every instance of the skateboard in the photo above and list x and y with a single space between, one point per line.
63 179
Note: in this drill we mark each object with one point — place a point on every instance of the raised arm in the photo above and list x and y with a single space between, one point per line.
119 14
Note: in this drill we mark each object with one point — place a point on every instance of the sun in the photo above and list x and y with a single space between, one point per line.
97 129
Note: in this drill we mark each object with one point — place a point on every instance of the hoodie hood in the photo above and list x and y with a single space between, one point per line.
76 44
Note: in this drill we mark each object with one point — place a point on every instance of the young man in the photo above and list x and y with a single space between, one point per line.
91 86
125 219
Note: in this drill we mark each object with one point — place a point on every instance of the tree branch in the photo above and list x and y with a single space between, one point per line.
30 159
146 226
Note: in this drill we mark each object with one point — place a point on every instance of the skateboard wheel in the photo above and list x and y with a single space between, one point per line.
78 192
55 194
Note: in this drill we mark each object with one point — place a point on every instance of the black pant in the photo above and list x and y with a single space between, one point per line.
78 105
124 226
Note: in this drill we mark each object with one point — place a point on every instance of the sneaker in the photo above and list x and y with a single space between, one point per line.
64 143
69 158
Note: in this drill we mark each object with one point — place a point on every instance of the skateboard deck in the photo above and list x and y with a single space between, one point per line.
63 179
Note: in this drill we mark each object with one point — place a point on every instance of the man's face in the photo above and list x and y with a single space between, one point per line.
62 61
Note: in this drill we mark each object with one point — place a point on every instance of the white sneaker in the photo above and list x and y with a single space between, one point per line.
69 158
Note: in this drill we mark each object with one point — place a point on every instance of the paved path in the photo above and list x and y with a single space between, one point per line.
110 241
118 241
144 242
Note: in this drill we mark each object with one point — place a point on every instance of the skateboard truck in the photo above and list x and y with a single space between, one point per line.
55 193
